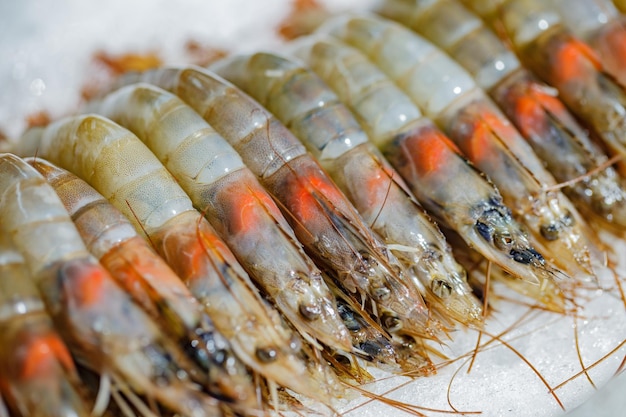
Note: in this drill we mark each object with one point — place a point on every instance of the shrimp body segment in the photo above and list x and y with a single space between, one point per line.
445 92
362 88
37 374
238 207
322 218
96 318
189 244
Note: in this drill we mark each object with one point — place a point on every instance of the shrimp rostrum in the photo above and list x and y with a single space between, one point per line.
323 220
97 319
37 373
141 187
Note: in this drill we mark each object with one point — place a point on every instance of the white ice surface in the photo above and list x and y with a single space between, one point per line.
45 49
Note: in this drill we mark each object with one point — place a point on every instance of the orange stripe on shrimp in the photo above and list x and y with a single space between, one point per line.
531 107
435 149
573 59
87 281
247 205
43 353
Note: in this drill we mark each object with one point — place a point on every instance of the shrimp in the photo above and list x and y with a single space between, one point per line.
313 112
139 185
600 24
95 317
323 220
140 271
482 133
37 373
547 48
540 116
234 202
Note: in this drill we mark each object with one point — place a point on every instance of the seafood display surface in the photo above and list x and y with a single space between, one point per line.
308 207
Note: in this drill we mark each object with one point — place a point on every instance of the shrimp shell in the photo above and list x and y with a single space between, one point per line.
187 242
237 206
98 320
446 92
421 244
324 221
37 373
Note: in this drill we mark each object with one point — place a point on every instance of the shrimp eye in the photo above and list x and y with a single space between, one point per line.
441 288
550 231
503 240
371 348
484 230
523 256
568 219
267 354
391 322
310 311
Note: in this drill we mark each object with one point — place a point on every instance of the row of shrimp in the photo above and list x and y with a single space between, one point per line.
202 246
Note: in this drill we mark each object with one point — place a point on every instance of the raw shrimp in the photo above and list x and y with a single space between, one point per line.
322 218
313 112
37 373
95 317
533 107
237 206
600 24
546 47
445 92
122 168
139 270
